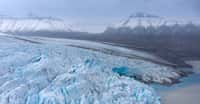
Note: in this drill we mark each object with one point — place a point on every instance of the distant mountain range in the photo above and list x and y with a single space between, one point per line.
32 24
144 23
137 22
150 20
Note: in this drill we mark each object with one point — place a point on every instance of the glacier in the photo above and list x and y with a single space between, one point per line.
50 71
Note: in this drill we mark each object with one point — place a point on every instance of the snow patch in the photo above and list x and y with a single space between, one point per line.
13 25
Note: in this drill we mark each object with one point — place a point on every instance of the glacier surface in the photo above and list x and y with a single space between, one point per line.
52 72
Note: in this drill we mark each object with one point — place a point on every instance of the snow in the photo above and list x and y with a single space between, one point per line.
35 70
155 22
32 24
149 20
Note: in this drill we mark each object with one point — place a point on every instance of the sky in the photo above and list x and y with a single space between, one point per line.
91 11
99 8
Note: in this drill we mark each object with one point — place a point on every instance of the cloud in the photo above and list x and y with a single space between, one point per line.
100 8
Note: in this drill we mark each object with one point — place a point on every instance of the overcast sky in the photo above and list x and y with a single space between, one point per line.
99 8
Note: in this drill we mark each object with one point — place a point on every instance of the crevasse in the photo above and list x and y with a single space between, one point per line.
55 74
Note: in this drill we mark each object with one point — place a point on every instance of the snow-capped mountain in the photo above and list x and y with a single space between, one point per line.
147 20
31 24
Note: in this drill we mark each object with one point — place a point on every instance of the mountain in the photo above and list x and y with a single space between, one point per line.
148 20
173 39
32 24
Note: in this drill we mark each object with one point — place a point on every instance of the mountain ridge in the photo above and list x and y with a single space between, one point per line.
147 20
31 24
